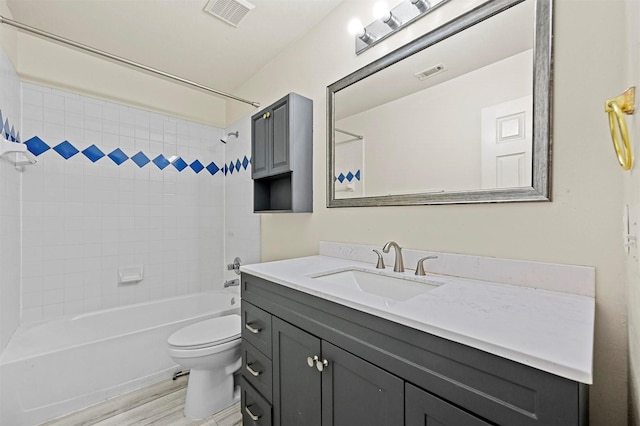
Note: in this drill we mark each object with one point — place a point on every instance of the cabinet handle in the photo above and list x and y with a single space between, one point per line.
253 416
253 372
321 365
266 115
251 329
312 361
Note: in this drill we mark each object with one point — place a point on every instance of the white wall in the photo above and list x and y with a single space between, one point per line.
9 202
583 224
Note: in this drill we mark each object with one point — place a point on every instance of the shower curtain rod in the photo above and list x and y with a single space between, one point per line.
107 55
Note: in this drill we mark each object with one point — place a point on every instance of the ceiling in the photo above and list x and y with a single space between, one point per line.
177 36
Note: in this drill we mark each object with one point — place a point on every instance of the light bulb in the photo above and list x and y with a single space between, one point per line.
380 10
355 27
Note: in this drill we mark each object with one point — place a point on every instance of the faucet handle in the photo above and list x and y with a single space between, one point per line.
380 264
420 265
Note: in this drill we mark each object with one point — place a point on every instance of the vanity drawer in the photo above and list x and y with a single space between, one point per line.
256 327
256 368
255 409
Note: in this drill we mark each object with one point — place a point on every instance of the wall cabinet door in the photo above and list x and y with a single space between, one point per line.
425 409
296 385
356 392
279 156
259 145
270 140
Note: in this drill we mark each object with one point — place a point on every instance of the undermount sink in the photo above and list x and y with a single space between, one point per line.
398 289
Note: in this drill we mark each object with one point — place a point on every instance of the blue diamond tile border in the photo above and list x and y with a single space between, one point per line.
196 166
213 168
93 153
66 150
140 159
349 176
180 164
161 161
118 156
37 146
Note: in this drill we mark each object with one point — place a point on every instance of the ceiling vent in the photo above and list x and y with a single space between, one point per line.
229 11
430 72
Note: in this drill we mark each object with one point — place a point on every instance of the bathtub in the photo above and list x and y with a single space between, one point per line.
52 368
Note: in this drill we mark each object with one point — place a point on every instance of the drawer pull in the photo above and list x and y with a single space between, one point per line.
253 416
251 329
253 372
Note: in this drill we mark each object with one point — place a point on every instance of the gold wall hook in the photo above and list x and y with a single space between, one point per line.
616 108
625 101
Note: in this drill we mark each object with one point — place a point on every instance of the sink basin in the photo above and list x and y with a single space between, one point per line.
398 289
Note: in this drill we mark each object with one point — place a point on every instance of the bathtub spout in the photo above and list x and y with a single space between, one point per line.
232 283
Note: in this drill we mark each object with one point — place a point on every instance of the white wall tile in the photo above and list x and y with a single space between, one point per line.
83 220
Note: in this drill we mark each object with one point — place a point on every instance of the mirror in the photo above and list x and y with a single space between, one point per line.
459 115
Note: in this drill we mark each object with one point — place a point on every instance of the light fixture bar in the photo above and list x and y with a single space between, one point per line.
398 18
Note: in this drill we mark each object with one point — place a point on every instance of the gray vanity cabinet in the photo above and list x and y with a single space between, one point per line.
329 364
425 409
281 151
297 385
317 383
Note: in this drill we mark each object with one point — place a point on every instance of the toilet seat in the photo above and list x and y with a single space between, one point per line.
212 332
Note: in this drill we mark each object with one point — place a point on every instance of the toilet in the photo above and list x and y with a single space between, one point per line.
211 350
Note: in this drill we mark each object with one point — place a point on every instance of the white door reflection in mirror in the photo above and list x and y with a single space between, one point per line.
506 144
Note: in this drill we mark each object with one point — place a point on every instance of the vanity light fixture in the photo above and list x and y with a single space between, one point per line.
422 5
389 21
381 12
358 30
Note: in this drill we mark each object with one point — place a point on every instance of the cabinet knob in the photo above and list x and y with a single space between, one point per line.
312 361
266 115
321 365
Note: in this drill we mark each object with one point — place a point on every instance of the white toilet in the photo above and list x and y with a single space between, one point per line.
211 349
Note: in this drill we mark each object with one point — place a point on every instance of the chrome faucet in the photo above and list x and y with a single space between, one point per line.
398 266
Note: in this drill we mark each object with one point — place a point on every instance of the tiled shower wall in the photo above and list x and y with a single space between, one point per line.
116 187
242 226
9 206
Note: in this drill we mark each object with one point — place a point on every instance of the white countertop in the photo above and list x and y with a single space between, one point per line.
548 330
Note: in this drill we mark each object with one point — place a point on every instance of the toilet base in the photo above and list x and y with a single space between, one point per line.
208 392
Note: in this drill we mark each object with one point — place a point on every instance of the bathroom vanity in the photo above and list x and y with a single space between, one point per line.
323 344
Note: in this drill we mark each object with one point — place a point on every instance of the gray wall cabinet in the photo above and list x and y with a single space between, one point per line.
281 151
309 361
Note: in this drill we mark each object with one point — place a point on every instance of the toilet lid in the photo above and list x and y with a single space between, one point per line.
207 333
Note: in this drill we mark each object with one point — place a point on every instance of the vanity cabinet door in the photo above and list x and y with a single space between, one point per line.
296 384
356 392
425 409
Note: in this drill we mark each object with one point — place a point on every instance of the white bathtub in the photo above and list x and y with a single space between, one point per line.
54 367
